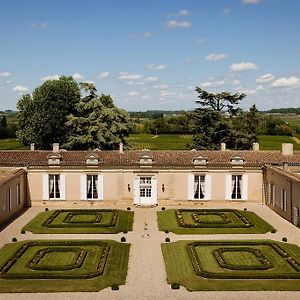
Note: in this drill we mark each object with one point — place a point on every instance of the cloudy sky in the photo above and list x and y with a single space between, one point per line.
152 54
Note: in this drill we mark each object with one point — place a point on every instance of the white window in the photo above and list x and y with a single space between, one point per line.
199 187
145 187
54 186
92 187
283 200
8 199
236 187
18 194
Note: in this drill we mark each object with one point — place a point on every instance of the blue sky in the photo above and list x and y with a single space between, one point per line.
152 54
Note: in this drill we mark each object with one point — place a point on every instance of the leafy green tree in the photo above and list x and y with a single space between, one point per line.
217 120
97 122
43 114
3 121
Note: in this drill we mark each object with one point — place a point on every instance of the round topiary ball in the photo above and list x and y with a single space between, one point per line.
46 209
175 286
245 209
163 208
128 208
273 231
114 287
167 240
284 239
166 231
14 239
123 239
23 231
125 232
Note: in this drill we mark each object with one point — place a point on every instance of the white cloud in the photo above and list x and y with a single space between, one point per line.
243 66
8 81
160 86
212 84
133 94
235 82
201 40
5 74
143 35
178 24
44 25
216 57
20 89
260 88
248 91
250 1
90 81
147 34
265 78
146 97
127 76
150 79
50 77
166 93
286 82
184 12
77 76
156 67
104 75
226 10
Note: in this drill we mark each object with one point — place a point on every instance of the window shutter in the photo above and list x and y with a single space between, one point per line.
62 181
45 187
245 187
228 187
207 187
191 187
100 187
136 190
83 187
154 190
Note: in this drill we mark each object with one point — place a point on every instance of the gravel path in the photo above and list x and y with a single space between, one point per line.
146 277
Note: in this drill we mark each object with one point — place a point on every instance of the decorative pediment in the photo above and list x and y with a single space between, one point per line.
145 160
200 160
92 159
237 160
54 159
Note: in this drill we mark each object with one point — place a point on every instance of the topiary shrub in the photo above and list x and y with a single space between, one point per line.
273 231
166 231
284 239
245 209
167 240
46 209
175 286
163 208
128 208
23 231
123 239
14 239
125 232
114 287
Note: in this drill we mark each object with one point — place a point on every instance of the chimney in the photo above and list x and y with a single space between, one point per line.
287 149
121 148
55 147
285 166
32 146
223 146
255 146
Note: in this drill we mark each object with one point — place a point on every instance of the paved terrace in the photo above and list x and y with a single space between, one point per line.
146 277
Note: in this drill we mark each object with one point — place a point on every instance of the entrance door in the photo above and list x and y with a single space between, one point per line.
145 191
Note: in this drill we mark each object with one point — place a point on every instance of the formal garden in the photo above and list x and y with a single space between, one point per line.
232 265
211 221
59 265
81 221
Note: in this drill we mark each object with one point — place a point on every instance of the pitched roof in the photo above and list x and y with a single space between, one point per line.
162 159
7 174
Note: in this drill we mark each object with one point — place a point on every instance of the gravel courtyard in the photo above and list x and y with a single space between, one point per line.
146 277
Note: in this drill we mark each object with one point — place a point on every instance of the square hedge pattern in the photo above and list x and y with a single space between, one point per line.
81 221
211 221
233 265
85 265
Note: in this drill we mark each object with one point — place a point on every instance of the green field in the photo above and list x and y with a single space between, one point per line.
62 266
169 142
81 221
211 221
233 265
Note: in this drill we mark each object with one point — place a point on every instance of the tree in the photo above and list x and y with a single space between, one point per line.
217 121
43 114
97 123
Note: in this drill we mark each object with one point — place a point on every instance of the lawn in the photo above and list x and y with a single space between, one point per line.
233 265
11 144
81 221
273 142
211 221
62 266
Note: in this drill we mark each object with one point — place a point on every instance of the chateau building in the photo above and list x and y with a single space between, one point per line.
147 178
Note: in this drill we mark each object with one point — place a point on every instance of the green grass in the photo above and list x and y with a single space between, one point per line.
59 271
273 142
168 220
11 144
160 142
182 267
81 221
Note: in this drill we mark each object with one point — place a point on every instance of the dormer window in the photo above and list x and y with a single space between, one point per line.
92 159
237 160
54 159
200 161
145 160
